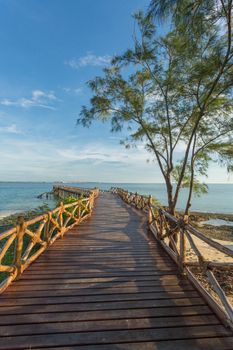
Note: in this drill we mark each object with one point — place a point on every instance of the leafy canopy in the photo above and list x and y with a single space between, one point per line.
173 91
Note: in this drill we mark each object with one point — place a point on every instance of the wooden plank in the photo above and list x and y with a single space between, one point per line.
97 298
105 305
118 279
103 315
95 270
190 344
89 338
104 261
95 284
90 291
95 257
114 274
93 267
102 325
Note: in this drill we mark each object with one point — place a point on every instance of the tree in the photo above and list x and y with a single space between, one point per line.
172 91
208 22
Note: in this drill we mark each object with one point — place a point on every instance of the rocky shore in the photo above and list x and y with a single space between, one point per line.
9 221
222 232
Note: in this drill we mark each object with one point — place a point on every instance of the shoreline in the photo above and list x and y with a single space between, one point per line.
222 232
6 222
6 213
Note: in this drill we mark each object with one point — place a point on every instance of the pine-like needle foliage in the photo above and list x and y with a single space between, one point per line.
174 93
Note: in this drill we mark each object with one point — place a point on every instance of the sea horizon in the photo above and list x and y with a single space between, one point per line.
20 196
107 182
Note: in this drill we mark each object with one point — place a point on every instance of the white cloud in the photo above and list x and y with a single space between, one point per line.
37 94
46 160
89 60
11 129
73 91
100 153
38 98
7 102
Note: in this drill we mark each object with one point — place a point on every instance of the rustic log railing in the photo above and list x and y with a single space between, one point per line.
22 244
65 191
178 238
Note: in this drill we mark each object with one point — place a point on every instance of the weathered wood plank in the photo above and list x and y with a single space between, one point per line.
99 283
104 305
102 325
105 337
97 298
93 291
103 274
103 315
191 344
118 279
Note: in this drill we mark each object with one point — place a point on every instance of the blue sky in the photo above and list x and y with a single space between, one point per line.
49 49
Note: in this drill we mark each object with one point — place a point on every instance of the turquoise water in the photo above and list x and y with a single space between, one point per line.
18 196
217 222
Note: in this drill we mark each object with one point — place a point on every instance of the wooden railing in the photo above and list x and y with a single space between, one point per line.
65 191
22 244
182 242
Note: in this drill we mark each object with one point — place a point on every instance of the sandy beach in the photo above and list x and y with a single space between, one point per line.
6 213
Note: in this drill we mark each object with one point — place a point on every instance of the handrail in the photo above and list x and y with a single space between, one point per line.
22 244
174 233
139 201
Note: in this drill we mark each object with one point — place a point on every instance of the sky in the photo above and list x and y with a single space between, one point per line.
49 50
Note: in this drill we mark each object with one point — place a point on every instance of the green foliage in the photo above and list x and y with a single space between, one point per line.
70 200
198 187
156 202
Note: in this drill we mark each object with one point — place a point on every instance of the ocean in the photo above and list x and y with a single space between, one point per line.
22 196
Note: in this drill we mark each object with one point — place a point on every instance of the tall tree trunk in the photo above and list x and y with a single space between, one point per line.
188 204
171 206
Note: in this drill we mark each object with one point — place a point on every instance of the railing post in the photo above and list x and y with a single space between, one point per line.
91 201
150 216
20 228
183 243
46 227
182 249
61 214
61 218
161 224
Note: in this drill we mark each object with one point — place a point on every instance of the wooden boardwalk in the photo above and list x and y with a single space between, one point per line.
107 285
